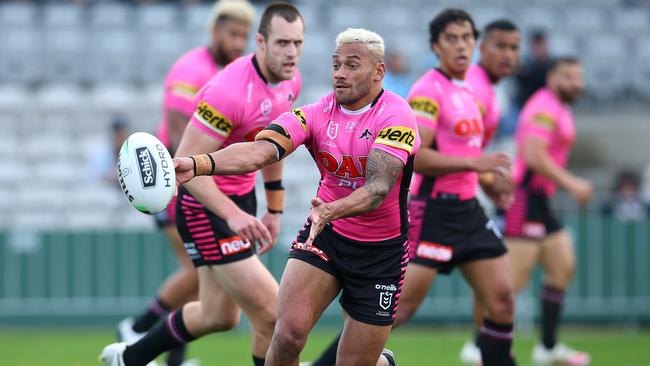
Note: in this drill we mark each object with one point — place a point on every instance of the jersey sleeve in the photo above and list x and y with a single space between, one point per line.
398 135
539 123
295 124
215 111
425 105
181 87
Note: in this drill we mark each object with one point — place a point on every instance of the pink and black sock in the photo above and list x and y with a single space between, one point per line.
156 310
166 335
552 300
495 341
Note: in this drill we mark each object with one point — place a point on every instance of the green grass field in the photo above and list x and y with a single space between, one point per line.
421 346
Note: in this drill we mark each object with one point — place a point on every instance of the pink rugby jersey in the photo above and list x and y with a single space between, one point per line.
449 108
238 103
479 81
340 141
544 116
188 74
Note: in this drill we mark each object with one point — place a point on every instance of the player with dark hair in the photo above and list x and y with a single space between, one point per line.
215 215
499 58
363 140
545 135
229 26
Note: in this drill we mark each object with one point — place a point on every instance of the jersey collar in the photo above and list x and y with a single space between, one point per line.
456 82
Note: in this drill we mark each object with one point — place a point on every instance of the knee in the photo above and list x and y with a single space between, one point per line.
561 277
264 320
218 322
501 306
289 337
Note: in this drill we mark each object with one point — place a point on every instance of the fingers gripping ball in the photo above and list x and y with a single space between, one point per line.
146 173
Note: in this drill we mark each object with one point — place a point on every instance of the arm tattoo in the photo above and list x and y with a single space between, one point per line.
382 169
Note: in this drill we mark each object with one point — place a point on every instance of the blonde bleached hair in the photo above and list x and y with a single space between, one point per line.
239 10
371 40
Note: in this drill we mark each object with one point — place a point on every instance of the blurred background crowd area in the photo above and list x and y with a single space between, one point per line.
73 74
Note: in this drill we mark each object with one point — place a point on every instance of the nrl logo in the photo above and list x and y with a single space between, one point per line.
332 130
385 299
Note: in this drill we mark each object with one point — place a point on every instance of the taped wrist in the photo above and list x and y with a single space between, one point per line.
203 164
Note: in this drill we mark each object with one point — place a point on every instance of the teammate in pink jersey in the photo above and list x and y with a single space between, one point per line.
499 58
215 217
363 140
230 23
449 227
545 135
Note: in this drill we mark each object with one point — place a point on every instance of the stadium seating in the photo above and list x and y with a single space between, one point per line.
66 70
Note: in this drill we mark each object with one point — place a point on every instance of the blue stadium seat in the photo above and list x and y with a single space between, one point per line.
66 55
22 56
157 52
157 16
112 54
603 59
536 17
63 15
631 21
111 15
14 14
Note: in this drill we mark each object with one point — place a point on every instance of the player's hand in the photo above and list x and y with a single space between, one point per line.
581 190
272 223
184 170
504 201
491 162
503 182
321 215
250 229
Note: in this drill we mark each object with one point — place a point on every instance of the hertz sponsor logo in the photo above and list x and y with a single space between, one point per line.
213 119
544 120
184 90
147 167
425 107
435 252
301 117
233 245
401 137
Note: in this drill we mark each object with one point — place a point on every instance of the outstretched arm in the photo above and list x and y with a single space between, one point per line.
382 170
235 159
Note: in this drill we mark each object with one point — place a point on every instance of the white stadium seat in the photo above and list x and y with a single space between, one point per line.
60 15
110 15
15 14
156 16
631 21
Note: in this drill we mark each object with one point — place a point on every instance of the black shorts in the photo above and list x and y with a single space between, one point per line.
371 273
447 232
531 216
208 239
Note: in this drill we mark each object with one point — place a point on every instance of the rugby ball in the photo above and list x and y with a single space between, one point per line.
146 173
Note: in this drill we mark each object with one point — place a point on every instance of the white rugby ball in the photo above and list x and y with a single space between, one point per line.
146 173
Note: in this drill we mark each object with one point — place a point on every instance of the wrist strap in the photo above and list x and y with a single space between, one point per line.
270 210
203 164
275 185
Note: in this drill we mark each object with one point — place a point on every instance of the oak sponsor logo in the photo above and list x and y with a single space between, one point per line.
347 167
213 119
300 115
425 107
233 245
147 167
401 137
435 252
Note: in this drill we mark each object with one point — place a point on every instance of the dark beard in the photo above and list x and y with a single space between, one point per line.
220 56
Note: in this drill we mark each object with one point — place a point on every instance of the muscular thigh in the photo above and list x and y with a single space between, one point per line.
558 258
305 292
523 255
213 296
489 278
248 282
